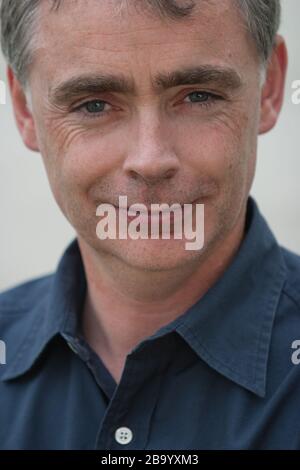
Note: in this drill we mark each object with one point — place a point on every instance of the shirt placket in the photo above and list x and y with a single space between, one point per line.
126 424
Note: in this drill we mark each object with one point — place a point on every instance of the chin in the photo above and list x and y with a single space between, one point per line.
152 255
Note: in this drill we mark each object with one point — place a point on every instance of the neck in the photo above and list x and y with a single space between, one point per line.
124 305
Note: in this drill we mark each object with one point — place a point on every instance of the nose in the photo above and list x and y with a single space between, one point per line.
151 156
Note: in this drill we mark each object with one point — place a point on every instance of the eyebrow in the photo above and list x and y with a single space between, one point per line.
224 77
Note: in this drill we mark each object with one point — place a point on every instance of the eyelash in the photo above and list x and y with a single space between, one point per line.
210 102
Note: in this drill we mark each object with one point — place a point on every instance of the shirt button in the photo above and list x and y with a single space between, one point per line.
123 435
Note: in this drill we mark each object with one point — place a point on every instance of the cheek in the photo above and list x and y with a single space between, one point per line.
88 160
76 158
214 149
224 149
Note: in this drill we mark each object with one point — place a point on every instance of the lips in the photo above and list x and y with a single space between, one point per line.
143 209
133 212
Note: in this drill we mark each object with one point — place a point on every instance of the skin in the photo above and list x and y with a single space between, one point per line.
152 146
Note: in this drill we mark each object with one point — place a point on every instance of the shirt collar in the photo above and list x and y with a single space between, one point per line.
229 328
57 313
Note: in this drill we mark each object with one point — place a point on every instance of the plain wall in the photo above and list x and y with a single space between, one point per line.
34 233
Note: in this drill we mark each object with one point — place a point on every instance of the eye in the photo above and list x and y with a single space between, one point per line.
202 98
93 109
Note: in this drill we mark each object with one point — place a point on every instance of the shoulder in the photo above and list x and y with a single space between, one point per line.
291 288
24 296
287 318
22 308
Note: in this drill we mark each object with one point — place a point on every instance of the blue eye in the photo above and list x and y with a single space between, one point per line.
94 108
199 96
202 98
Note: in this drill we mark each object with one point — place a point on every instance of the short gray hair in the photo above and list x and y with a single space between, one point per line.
262 19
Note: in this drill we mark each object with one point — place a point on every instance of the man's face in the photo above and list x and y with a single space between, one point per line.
180 144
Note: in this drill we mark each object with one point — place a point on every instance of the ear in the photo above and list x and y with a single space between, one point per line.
273 89
22 112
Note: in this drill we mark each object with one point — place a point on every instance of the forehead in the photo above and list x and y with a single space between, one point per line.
100 34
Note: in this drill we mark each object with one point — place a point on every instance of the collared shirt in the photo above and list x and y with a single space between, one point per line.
223 375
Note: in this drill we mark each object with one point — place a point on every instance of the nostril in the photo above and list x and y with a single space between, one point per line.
152 179
169 174
134 175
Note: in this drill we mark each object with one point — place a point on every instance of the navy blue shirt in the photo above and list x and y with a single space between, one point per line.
223 375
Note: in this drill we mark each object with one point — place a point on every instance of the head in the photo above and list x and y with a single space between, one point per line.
158 100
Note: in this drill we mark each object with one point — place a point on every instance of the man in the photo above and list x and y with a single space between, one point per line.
140 343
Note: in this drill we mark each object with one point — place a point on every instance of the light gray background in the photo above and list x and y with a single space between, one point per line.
34 233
